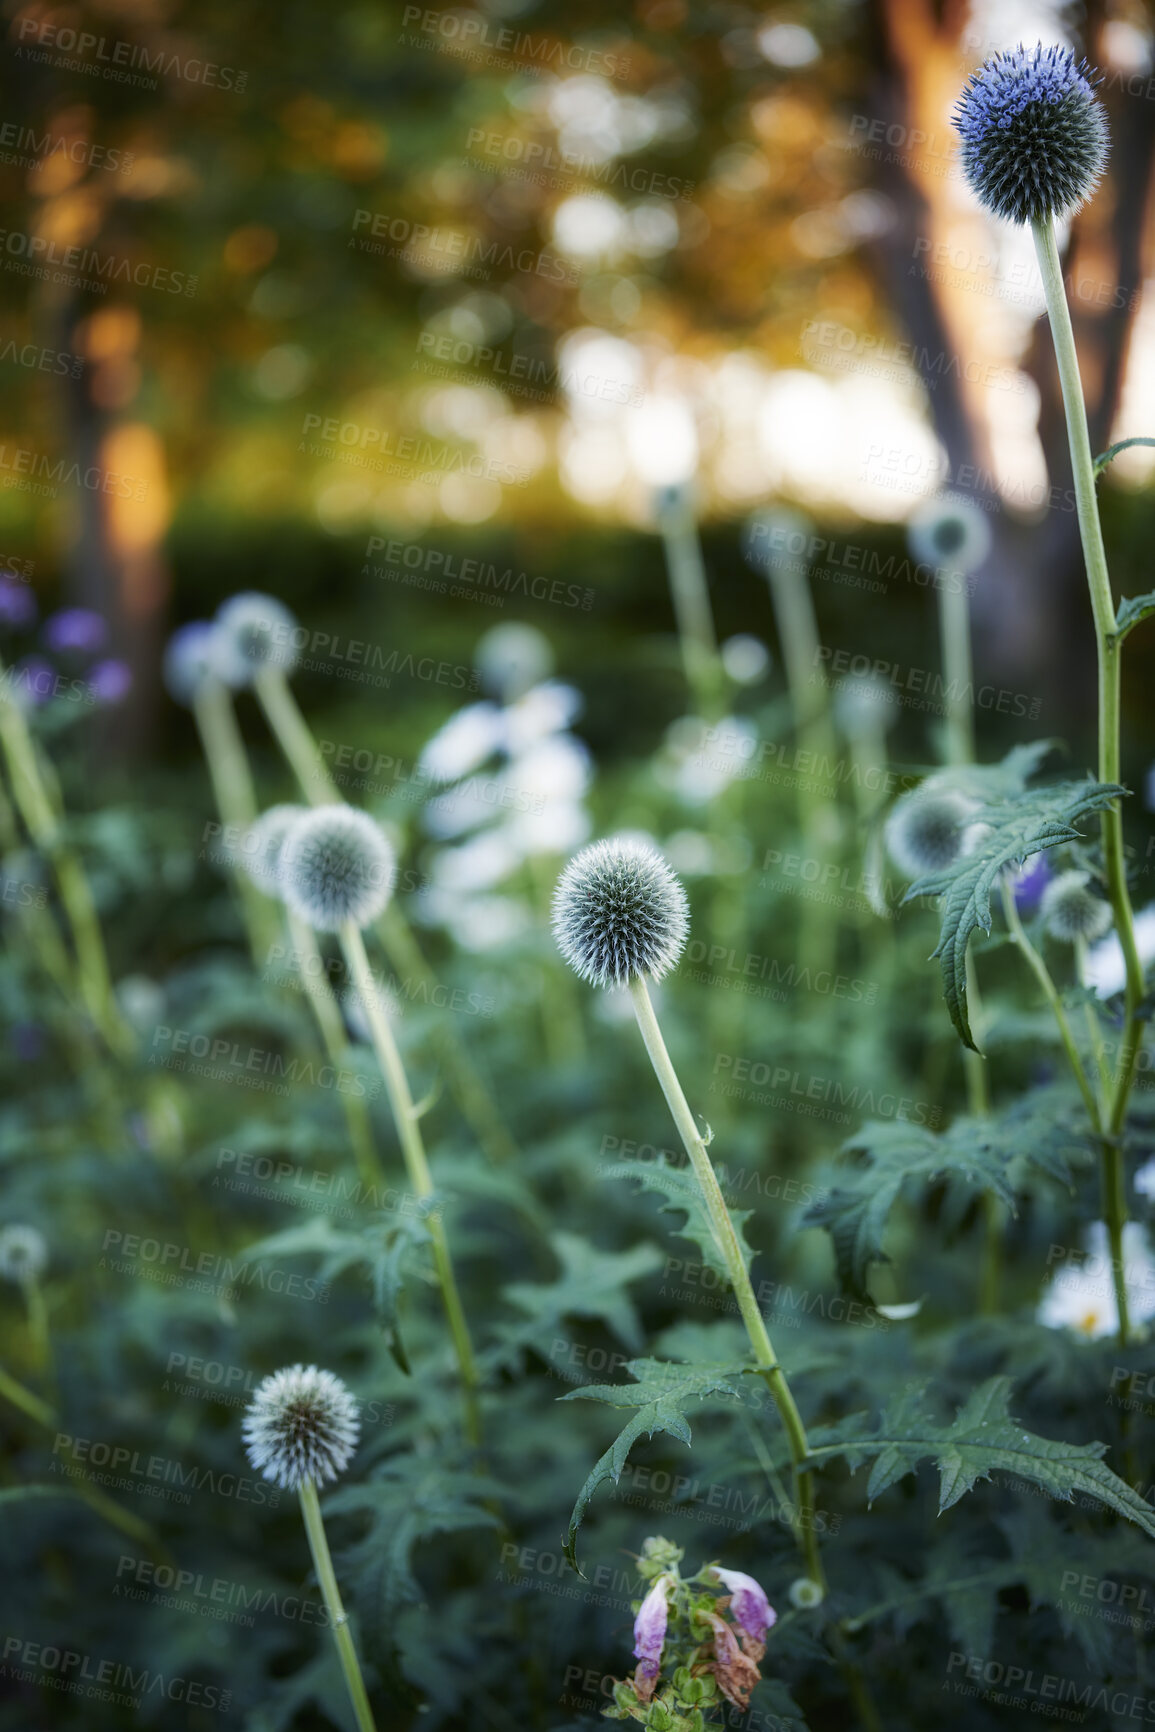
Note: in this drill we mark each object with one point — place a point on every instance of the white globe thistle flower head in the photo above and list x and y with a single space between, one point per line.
951 534
254 631
463 743
301 1425
23 1253
1071 910
336 866
191 658
1106 971
511 659
263 844
619 913
928 829
865 706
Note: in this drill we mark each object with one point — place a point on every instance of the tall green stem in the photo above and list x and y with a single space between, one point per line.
1109 651
37 800
958 673
327 1012
408 1123
690 594
338 1617
731 1252
236 803
1050 992
295 738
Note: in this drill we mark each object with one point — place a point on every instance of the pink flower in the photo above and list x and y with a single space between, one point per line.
749 1607
649 1635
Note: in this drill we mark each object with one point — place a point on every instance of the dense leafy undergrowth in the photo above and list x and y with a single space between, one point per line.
983 1496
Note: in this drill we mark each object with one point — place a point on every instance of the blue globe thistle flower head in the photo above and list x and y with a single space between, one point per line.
1034 134
190 659
254 631
619 913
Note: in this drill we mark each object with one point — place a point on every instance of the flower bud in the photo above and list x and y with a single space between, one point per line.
619 913
302 1424
1071 910
925 831
336 866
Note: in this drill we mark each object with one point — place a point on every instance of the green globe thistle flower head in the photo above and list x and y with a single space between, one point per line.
302 1424
336 866
927 829
254 631
263 844
1034 134
619 913
1071 910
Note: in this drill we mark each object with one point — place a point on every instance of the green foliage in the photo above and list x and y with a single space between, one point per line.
683 1196
1013 824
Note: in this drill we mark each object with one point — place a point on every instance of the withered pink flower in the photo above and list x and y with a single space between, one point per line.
737 1673
749 1608
649 1635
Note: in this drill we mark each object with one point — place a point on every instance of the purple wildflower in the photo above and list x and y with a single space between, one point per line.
75 628
749 1607
110 681
17 603
1030 883
650 1631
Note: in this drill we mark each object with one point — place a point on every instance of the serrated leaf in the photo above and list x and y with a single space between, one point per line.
659 1396
1015 828
680 1189
983 1438
1132 609
592 1283
972 1154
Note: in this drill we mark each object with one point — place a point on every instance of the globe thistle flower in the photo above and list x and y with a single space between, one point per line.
805 1594
336 866
264 842
190 658
1034 134
301 1425
950 532
254 631
865 705
649 1636
619 913
513 658
23 1253
749 1607
1072 911
926 831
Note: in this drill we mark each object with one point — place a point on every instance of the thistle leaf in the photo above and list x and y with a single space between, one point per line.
680 1189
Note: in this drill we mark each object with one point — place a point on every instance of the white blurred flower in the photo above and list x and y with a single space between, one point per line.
1106 972
512 658
547 709
558 829
1145 1179
475 865
485 922
464 742
1083 1297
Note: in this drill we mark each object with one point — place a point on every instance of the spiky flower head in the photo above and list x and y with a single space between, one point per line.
1071 910
263 845
23 1253
335 866
302 1424
190 658
255 631
1034 134
619 913
950 533
926 830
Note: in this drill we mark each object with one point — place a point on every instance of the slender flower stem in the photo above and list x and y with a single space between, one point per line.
958 673
408 1124
37 799
690 594
326 1010
1109 649
294 736
727 1242
24 1399
338 1617
1094 1030
1050 992
236 802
